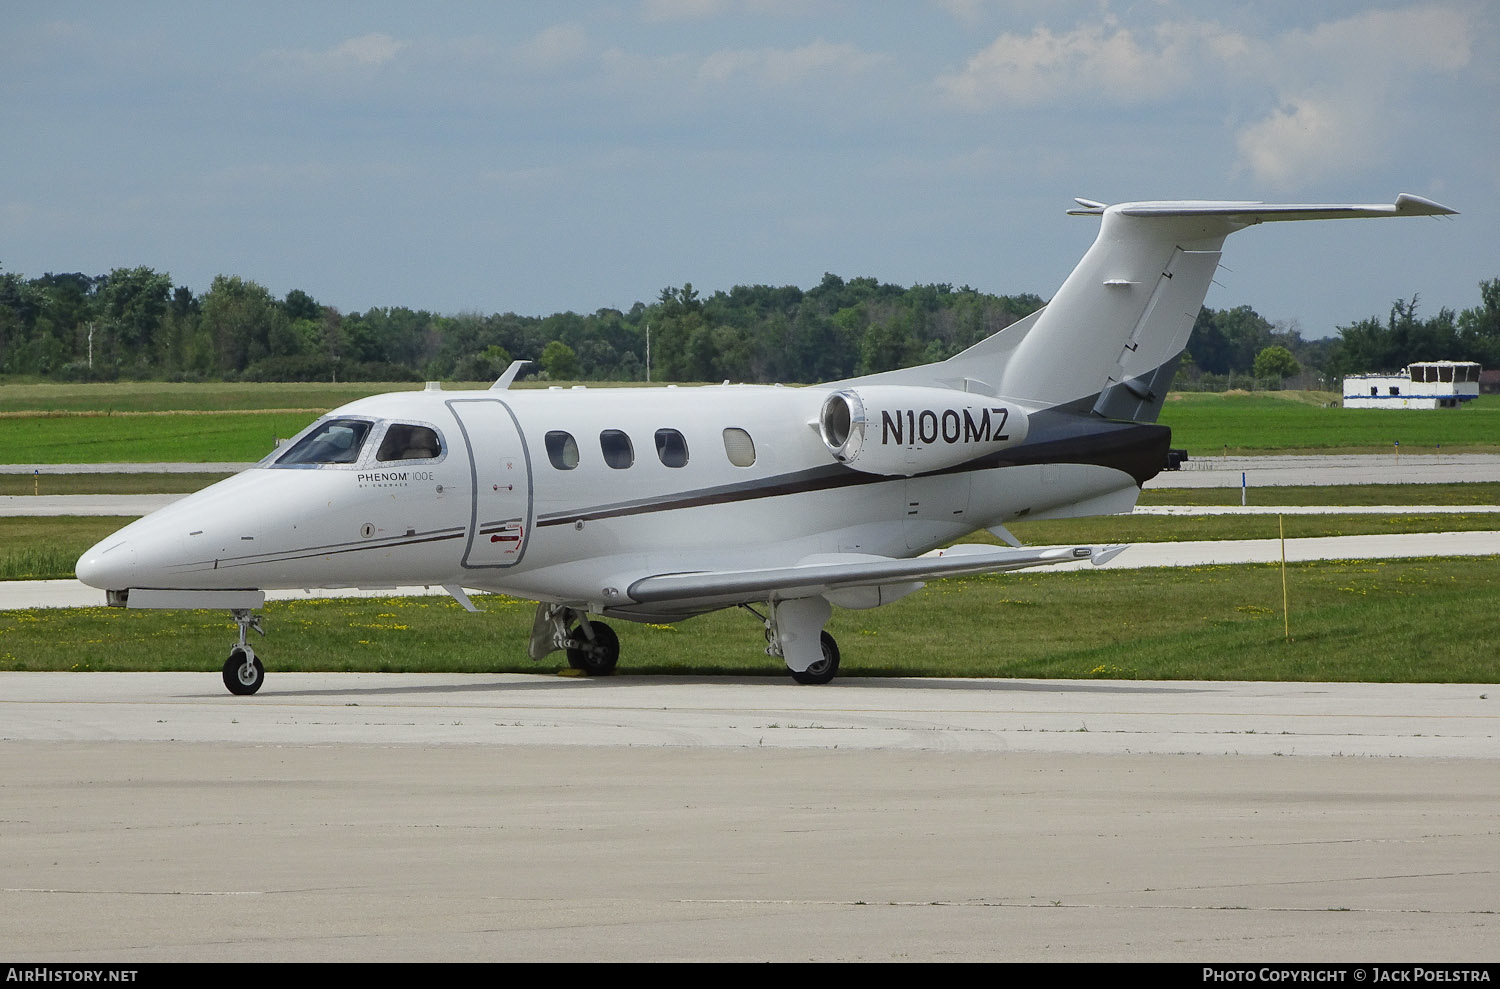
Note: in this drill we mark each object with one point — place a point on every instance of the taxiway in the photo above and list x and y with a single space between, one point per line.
350 817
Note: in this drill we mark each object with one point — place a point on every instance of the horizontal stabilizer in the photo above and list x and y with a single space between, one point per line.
1249 213
833 572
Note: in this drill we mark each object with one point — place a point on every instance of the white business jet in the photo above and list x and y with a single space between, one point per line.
663 503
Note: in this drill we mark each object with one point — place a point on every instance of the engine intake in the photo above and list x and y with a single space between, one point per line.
905 430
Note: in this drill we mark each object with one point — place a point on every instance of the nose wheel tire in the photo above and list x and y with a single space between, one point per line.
597 650
243 673
824 669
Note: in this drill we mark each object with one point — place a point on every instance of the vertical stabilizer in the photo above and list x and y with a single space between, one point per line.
1126 310
1110 339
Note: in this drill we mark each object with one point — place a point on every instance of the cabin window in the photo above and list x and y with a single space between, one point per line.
1374 390
671 448
618 453
1395 390
408 442
562 449
1445 373
739 447
337 441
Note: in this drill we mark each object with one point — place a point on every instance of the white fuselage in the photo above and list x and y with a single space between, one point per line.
565 495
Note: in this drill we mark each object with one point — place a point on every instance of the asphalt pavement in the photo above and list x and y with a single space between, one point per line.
390 818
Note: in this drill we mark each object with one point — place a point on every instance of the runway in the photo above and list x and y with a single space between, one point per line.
350 817
389 818
1086 717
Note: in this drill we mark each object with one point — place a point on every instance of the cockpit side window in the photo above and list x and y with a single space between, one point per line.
337 441
406 441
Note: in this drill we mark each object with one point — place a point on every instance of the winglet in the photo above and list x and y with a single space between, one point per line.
508 375
1104 554
1416 205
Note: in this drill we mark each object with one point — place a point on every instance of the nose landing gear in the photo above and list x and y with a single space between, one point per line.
243 672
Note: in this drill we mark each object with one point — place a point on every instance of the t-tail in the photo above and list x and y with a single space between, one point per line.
1108 343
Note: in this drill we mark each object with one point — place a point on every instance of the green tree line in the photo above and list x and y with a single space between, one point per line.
134 323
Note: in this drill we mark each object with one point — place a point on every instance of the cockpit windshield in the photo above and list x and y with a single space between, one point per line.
337 441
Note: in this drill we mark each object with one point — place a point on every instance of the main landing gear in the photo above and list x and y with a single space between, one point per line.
243 672
592 646
596 648
794 633
822 670
789 634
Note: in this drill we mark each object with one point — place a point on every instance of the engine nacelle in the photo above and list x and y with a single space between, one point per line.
904 429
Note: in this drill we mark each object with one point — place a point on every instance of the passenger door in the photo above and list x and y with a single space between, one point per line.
500 481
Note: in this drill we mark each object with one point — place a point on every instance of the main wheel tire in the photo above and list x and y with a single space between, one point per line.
597 657
243 672
824 669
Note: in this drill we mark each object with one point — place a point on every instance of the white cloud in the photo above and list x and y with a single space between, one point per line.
557 46
699 10
1426 38
363 52
368 49
788 66
676 10
1345 88
1302 139
1111 63
1301 104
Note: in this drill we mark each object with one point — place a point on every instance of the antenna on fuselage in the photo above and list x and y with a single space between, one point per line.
508 375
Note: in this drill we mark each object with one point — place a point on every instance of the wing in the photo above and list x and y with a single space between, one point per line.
835 573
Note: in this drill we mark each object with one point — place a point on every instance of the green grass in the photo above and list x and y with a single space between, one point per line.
44 423
193 437
1466 493
148 422
1240 423
46 548
163 396
1362 620
47 483
1179 528
1377 621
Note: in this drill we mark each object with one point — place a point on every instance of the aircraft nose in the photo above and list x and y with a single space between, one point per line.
107 565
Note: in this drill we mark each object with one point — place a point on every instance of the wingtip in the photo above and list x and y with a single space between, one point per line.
1421 206
1103 554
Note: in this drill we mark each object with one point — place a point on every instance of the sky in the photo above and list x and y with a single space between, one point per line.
540 157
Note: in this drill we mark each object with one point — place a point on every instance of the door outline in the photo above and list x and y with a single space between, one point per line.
524 522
